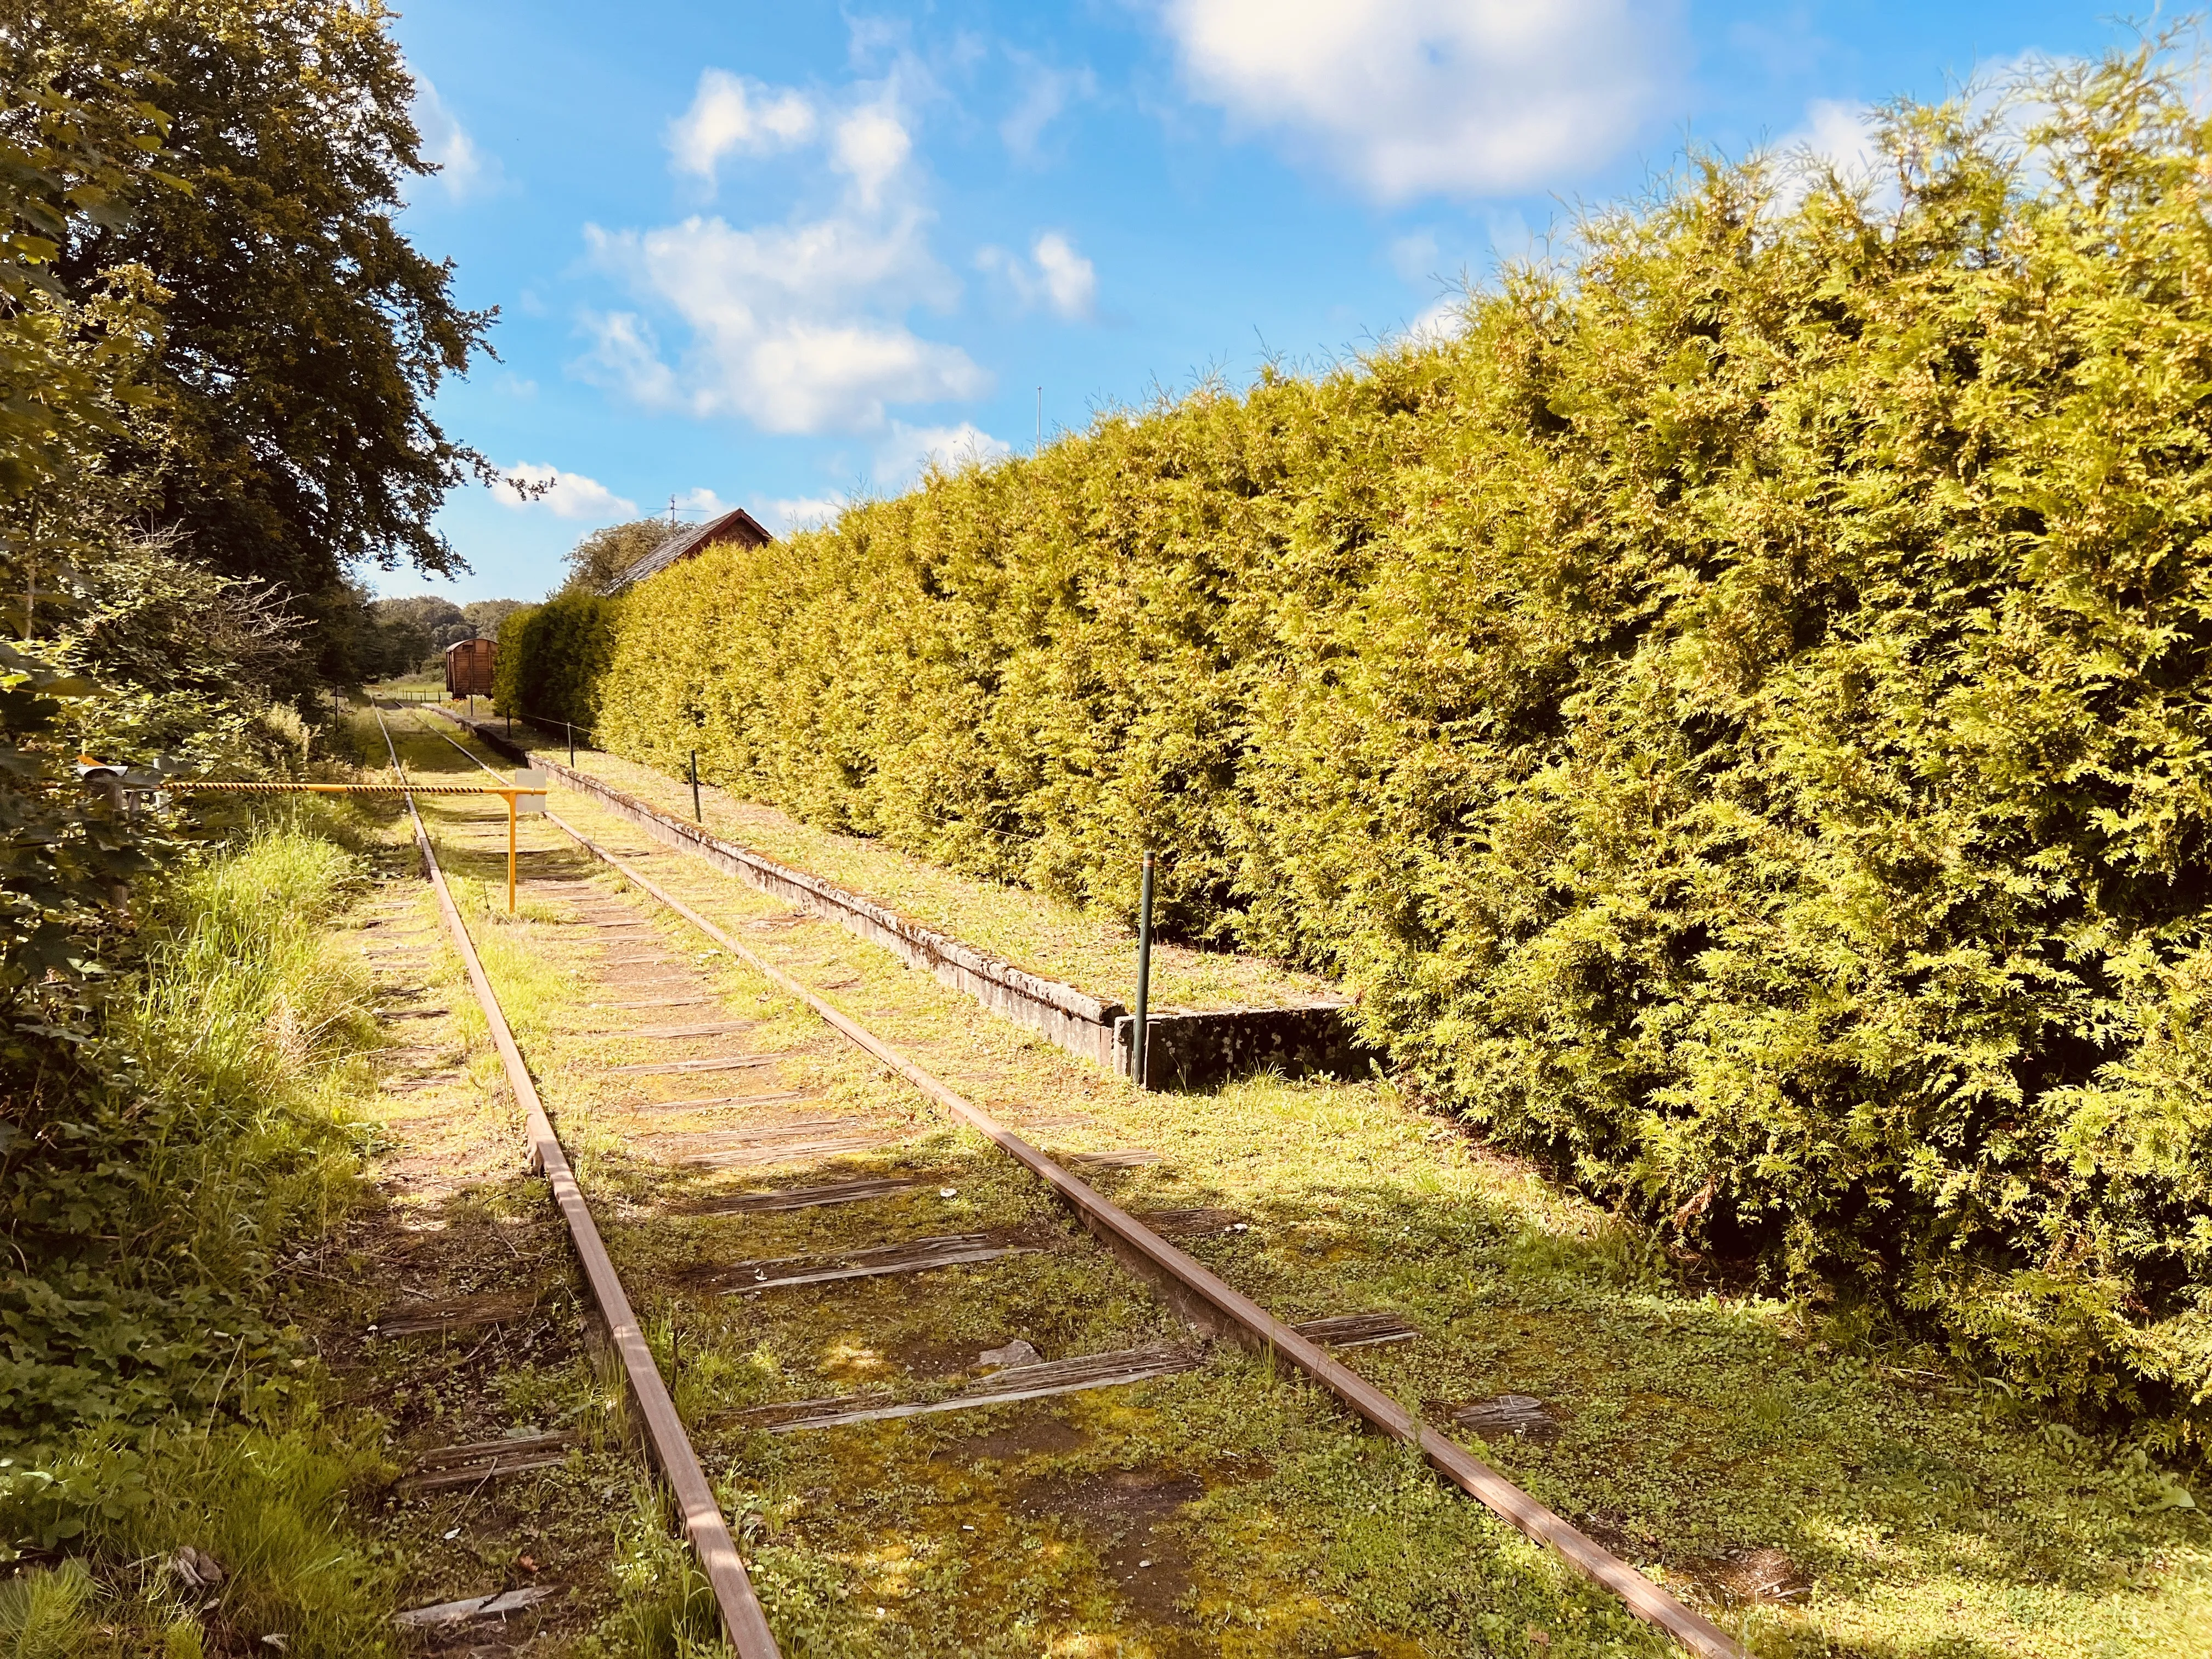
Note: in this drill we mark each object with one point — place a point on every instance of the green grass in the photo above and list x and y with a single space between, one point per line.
1924 1511
1048 936
239 1053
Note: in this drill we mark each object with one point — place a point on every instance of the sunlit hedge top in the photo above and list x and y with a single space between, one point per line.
1737 714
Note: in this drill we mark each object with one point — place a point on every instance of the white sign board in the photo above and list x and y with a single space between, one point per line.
529 778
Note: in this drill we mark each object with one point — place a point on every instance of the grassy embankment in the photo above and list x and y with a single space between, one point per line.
1912 1507
232 1140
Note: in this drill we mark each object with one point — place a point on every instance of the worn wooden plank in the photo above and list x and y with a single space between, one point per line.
713 1063
486 1460
915 1256
783 1151
1003 1388
1370 1330
1520 1415
657 1002
496 1606
807 1198
457 1315
705 1027
716 1102
1098 1163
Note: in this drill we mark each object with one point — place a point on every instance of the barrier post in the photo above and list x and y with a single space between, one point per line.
698 817
1139 1048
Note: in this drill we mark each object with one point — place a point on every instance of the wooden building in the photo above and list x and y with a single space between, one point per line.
469 667
735 525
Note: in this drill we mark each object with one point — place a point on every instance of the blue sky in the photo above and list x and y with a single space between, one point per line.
775 256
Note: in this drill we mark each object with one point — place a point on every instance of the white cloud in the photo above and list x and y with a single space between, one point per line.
799 326
463 170
870 147
729 115
1062 278
1840 134
1836 136
1442 323
704 503
801 512
1045 92
783 331
908 451
564 494
1469 97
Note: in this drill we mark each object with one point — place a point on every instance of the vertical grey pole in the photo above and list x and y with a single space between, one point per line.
698 817
571 745
1140 1046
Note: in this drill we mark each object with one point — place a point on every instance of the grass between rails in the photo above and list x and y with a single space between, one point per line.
907 1538
1046 935
1916 1511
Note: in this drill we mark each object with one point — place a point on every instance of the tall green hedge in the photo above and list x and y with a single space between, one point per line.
1737 716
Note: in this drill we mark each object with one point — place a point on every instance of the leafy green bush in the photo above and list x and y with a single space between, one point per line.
1737 714
147 1182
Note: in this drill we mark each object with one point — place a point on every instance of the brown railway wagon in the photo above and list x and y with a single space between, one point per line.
469 667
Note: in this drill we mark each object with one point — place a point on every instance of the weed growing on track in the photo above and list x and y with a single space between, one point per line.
156 1396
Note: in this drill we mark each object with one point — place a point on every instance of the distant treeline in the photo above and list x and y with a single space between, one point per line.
1737 714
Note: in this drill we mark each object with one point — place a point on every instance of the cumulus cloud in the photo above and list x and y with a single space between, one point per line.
799 512
529 486
730 115
870 147
704 503
1061 278
799 326
906 452
1408 97
463 170
793 326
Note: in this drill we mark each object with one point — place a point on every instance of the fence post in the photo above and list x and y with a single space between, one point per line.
698 817
572 744
1139 1045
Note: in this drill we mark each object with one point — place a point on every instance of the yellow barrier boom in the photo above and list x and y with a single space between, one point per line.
508 792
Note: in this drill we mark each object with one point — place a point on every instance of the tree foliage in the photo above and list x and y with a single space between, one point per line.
1737 716
305 335
604 553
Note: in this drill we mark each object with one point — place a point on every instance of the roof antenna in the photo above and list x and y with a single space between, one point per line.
671 511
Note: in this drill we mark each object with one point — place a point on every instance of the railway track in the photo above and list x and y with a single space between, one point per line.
704 1151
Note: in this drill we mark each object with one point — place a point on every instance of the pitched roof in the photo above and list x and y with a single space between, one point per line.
735 525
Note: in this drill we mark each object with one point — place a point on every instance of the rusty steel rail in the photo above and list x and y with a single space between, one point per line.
1204 1299
703 1521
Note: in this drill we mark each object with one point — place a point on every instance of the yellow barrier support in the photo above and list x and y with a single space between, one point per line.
509 793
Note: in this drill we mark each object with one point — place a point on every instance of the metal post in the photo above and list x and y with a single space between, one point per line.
698 817
1139 1048
572 742
510 852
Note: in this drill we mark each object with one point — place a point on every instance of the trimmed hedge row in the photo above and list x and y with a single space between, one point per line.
1737 717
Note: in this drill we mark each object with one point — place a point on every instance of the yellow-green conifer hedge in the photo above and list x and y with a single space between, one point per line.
1738 714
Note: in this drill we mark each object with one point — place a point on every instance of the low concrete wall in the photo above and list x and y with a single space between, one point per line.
1190 1048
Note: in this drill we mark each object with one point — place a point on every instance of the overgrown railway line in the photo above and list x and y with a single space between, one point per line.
785 1128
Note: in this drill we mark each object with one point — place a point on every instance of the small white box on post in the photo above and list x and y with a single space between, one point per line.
529 778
